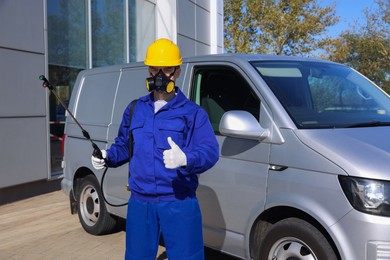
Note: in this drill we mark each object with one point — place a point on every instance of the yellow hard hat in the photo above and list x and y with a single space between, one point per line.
163 53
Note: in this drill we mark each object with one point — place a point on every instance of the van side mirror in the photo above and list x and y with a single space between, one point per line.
242 124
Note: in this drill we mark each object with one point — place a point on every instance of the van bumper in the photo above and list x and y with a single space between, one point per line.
362 236
66 186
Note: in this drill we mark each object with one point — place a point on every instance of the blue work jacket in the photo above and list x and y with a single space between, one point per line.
189 127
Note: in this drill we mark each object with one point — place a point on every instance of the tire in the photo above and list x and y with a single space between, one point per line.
295 239
91 209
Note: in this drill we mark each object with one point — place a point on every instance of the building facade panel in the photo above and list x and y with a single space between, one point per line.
59 38
186 21
187 45
204 3
24 154
201 48
23 102
22 25
203 27
21 91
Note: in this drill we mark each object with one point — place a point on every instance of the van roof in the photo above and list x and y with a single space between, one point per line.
232 57
244 57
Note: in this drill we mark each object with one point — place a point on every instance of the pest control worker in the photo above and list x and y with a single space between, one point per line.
173 141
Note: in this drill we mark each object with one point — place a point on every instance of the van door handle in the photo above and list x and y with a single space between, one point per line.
277 168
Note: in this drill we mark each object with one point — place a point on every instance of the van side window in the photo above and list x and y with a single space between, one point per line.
97 95
220 89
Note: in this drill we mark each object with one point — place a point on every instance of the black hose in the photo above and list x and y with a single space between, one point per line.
104 197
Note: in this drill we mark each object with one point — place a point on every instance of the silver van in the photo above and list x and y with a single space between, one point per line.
304 168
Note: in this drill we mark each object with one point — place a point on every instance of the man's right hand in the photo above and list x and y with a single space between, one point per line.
97 163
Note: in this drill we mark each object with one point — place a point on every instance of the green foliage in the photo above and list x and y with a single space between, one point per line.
299 27
366 48
278 27
239 32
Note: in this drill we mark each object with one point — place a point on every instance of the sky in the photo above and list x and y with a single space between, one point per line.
348 11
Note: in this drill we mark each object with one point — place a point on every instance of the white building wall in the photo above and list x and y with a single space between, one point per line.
195 25
146 25
216 23
166 22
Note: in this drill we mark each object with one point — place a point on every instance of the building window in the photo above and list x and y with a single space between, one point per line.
67 31
86 34
108 32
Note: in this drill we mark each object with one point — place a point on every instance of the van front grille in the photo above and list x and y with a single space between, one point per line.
378 250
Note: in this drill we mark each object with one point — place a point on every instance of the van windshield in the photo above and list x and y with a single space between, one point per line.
325 95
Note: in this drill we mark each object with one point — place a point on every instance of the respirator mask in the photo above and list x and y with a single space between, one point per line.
161 82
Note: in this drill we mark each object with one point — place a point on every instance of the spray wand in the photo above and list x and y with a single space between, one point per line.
96 151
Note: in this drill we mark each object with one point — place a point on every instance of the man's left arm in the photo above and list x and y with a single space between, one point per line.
202 149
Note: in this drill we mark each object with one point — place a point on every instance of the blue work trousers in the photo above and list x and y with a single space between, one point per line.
179 222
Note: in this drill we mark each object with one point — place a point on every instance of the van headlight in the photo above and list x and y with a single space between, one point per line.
367 195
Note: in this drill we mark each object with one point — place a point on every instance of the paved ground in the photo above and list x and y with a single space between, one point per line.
43 228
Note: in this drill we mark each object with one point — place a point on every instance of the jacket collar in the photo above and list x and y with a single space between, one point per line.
175 102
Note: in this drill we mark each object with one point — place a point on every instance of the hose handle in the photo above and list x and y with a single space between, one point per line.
97 152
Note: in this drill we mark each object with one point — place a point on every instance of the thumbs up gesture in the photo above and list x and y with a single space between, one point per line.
174 157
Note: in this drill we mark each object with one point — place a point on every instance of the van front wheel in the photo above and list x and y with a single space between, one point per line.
295 239
92 211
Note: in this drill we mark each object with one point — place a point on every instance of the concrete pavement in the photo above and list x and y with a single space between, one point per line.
42 228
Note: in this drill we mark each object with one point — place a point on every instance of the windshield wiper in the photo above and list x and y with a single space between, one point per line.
369 124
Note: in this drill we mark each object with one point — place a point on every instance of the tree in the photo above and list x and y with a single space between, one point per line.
279 27
238 29
366 47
